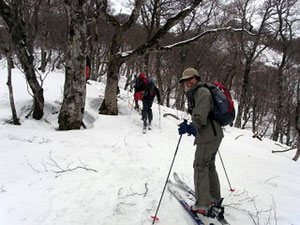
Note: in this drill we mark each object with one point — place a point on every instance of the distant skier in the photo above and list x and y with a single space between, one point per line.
139 87
149 92
208 136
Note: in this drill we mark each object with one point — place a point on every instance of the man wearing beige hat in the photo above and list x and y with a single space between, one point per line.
208 136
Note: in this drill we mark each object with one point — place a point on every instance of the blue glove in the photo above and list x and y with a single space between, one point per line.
192 130
187 128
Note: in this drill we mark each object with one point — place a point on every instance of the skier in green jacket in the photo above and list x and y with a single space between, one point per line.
208 136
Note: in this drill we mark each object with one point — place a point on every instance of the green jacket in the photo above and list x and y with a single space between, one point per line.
201 104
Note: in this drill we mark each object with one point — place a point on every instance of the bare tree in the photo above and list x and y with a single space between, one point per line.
251 48
13 17
284 23
72 110
109 104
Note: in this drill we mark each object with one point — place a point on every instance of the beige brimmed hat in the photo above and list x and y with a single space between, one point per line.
188 73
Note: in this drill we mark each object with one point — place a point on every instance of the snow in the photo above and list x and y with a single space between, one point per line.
113 174
122 6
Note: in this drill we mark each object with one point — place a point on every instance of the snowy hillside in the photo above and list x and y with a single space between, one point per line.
112 174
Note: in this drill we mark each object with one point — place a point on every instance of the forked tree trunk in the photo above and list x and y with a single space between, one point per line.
11 15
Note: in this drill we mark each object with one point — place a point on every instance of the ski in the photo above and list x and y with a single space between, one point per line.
218 212
183 185
184 204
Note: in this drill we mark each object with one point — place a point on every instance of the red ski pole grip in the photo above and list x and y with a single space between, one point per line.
155 218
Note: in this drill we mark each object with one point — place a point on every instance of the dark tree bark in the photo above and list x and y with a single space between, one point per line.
12 16
7 51
72 109
297 120
15 120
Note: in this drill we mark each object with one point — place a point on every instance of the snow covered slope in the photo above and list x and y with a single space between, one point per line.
112 174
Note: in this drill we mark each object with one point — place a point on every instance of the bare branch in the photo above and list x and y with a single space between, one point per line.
286 150
134 15
239 136
60 170
149 45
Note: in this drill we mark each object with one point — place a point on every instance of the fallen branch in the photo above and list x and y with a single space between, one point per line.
60 170
144 194
286 150
239 136
257 136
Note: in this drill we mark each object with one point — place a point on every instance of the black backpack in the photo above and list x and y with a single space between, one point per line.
149 91
224 112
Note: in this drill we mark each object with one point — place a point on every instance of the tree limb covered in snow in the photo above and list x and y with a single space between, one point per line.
152 46
202 35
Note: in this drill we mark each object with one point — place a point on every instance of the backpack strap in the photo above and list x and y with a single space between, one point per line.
210 114
191 103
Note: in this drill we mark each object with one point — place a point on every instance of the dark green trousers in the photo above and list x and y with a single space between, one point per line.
206 178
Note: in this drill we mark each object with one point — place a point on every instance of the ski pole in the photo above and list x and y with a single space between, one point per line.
159 115
161 197
231 189
132 105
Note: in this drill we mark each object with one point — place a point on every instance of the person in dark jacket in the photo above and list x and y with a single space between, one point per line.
206 181
149 92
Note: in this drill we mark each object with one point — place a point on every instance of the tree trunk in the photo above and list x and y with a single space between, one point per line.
109 105
72 109
279 106
180 93
297 121
43 60
129 75
38 92
296 157
158 57
254 115
242 105
16 25
15 119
